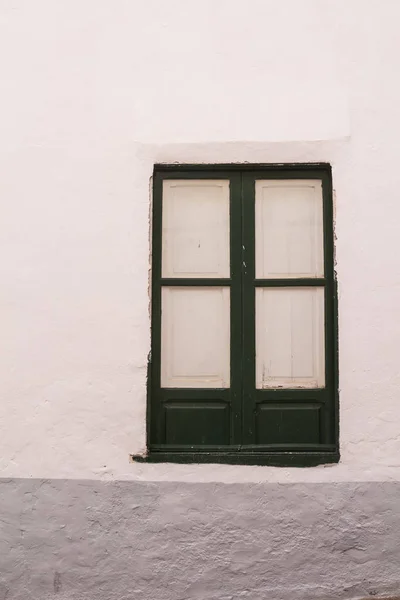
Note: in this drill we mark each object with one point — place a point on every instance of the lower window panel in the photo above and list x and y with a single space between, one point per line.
288 424
197 423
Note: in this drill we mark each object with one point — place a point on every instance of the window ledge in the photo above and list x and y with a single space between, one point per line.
274 459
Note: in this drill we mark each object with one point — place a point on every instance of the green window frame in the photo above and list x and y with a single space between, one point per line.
299 427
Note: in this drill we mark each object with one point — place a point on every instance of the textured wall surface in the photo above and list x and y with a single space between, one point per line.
85 540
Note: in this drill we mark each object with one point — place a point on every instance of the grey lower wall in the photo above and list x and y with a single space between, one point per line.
89 540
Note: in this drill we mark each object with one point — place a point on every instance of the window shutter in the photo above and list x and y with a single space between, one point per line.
244 361
194 393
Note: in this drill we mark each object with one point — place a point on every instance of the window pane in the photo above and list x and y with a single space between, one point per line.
195 228
289 230
290 350
195 337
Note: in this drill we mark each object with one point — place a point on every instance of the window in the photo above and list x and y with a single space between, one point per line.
244 348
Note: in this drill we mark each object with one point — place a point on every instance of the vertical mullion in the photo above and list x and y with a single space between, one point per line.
248 315
156 425
330 314
236 307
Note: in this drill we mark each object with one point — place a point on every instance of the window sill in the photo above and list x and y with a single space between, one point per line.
273 459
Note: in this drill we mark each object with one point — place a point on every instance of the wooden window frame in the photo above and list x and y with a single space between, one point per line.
243 397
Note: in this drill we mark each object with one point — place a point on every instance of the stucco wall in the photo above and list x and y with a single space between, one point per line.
92 94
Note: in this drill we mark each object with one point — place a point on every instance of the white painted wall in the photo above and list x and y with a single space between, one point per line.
92 93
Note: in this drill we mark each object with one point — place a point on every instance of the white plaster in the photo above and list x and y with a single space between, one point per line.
92 93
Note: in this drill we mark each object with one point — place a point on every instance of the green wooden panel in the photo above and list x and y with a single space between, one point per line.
288 424
197 423
201 403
